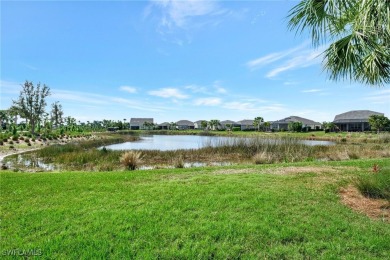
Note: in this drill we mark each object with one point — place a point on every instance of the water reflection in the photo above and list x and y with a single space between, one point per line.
176 142
28 161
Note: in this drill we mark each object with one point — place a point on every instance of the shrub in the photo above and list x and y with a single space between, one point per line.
179 162
11 142
1 143
131 159
375 185
262 158
353 155
106 167
15 138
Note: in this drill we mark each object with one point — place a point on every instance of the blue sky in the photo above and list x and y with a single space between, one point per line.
172 60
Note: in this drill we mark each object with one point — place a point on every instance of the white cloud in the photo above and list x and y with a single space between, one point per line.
168 93
301 59
380 97
10 87
314 90
79 97
211 101
128 89
196 88
137 105
29 66
289 83
218 88
180 13
273 57
254 107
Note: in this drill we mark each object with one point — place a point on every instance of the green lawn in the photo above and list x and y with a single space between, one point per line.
247 211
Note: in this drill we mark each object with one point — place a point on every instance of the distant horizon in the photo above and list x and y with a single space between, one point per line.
172 60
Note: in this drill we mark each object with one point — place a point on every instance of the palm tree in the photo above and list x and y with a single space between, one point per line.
257 122
172 125
214 123
267 125
360 35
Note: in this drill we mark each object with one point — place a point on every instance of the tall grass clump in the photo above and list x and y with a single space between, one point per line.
263 158
179 162
384 138
375 185
131 159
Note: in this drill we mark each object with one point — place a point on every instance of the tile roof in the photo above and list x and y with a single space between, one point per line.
355 116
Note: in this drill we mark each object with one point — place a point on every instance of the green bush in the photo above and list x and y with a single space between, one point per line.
375 185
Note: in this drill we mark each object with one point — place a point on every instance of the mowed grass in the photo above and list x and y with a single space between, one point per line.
248 211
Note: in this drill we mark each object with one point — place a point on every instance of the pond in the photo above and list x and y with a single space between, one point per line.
176 142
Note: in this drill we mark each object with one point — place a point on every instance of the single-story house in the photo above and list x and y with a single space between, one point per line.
228 124
353 121
306 123
184 124
140 123
164 126
246 124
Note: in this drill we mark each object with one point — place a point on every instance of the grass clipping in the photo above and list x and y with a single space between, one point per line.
131 160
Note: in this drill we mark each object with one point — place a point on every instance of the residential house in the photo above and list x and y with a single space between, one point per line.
164 126
140 123
184 125
246 124
354 121
308 124
228 124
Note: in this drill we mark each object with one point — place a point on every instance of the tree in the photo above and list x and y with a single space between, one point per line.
329 126
257 122
378 122
267 125
360 31
295 126
4 119
204 124
56 114
214 123
31 103
172 126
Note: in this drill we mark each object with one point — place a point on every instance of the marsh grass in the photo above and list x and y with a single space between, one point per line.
178 162
376 184
83 155
131 159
